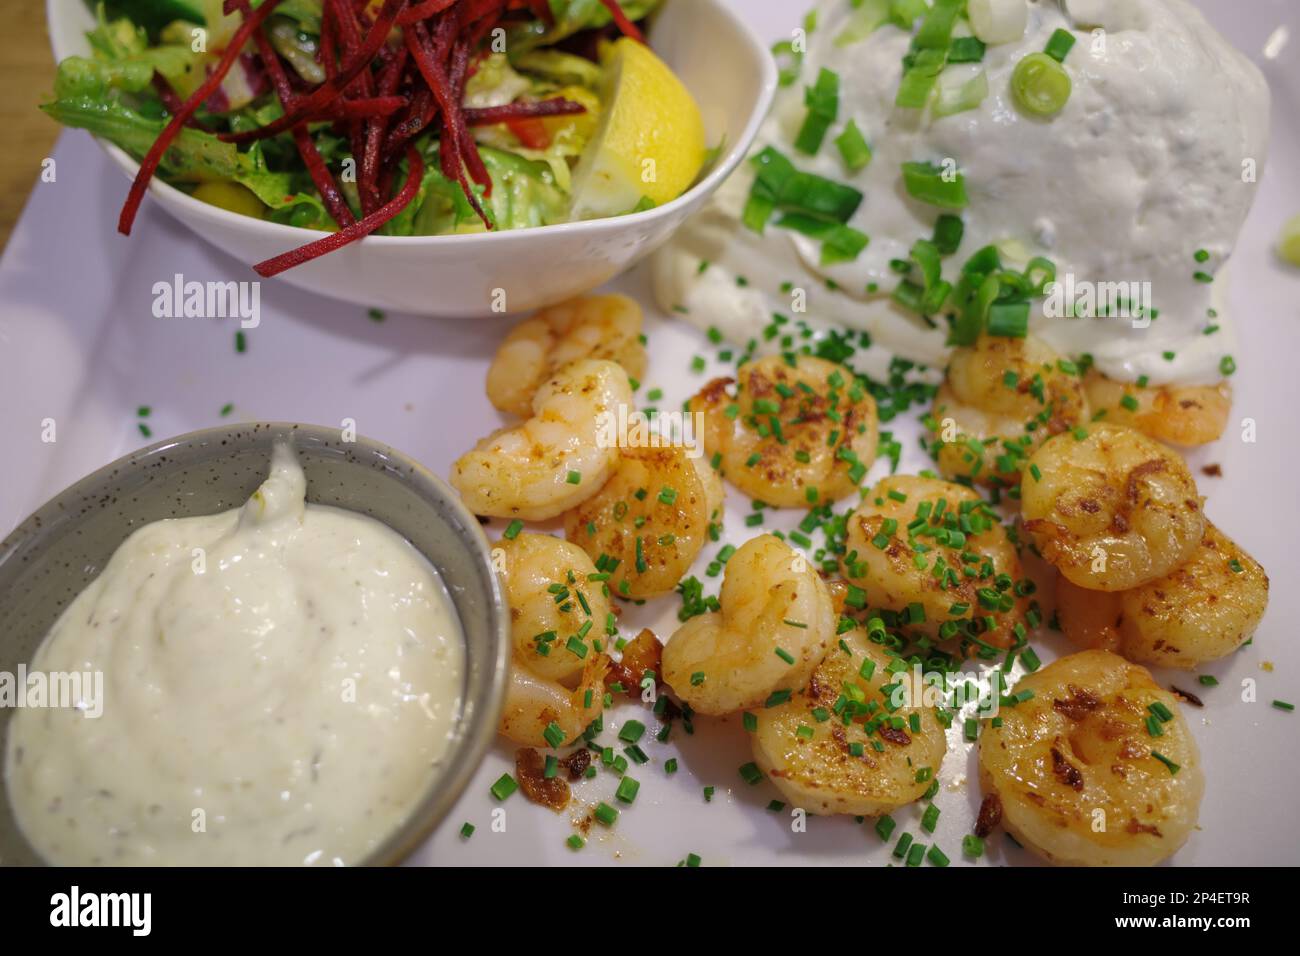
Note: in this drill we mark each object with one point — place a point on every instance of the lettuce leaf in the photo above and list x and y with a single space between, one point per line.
572 16
194 156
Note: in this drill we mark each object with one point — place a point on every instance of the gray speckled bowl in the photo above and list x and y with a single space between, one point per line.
52 555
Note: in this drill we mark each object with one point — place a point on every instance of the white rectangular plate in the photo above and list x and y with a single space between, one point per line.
79 345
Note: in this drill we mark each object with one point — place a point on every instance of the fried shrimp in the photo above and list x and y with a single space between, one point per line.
1112 509
649 521
796 433
936 553
1178 414
556 613
773 629
1001 399
1201 611
589 327
544 713
1097 768
548 586
555 460
844 744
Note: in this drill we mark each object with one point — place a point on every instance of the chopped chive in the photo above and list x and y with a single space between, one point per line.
627 789
1173 767
504 787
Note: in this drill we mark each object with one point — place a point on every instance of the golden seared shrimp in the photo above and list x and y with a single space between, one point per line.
1097 768
588 327
544 713
937 553
836 747
556 616
1178 414
1204 609
1001 399
1112 509
650 519
555 460
548 587
793 435
774 627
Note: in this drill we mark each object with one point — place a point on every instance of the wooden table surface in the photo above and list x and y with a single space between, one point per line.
26 77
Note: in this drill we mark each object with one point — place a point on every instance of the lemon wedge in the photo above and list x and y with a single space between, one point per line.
649 146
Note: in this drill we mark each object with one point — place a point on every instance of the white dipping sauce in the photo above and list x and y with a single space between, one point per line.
1142 169
284 700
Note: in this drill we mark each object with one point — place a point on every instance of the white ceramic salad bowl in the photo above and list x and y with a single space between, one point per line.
715 54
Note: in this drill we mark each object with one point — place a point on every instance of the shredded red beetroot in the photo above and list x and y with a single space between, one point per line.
171 101
625 25
334 202
360 228
488 115
379 95
422 11
333 87
149 165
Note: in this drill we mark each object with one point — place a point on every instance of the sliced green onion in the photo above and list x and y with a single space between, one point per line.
1040 85
927 183
504 787
627 789
853 147
919 79
936 29
998 21
954 98
966 50
840 243
1173 767
869 16
948 231
1059 45
823 102
1009 319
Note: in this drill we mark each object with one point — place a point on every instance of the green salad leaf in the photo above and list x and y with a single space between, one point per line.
573 16
195 156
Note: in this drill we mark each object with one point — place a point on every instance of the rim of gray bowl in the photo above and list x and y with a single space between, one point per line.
483 701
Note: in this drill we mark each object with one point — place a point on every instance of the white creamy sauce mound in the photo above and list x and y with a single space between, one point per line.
1137 174
283 695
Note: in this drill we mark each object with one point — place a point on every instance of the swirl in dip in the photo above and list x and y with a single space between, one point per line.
1144 175
280 684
